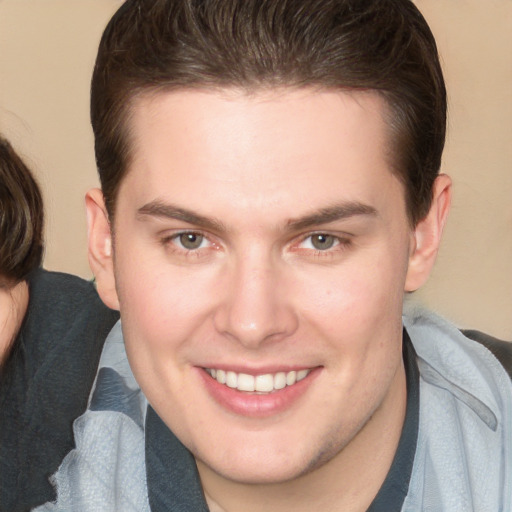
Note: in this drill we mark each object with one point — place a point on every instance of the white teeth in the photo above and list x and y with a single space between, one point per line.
302 374
291 378
264 383
231 379
280 380
261 383
245 382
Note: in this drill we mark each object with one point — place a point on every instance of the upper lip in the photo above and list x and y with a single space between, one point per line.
261 370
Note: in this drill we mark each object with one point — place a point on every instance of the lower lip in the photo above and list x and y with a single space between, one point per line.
257 405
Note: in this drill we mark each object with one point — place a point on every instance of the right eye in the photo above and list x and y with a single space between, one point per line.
189 245
190 241
321 241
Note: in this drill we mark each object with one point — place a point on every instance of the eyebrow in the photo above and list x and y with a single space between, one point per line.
169 211
331 214
326 215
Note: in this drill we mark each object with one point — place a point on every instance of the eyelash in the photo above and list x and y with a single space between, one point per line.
341 244
172 240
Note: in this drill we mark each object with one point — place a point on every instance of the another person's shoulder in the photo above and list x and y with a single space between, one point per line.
61 291
50 375
65 310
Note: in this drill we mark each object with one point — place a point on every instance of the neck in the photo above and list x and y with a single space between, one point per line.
349 481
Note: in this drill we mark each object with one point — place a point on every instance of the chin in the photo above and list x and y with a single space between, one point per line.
262 474
259 466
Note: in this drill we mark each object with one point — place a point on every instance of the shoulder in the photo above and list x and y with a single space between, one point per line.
57 353
502 350
65 319
59 304
465 418
465 362
57 291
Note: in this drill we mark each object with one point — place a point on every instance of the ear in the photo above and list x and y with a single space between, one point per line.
100 248
426 237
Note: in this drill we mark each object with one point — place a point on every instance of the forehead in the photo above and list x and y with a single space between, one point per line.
258 148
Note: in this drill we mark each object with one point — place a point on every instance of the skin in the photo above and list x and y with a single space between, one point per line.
13 305
254 174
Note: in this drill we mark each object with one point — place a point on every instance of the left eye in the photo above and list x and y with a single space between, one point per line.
190 241
320 242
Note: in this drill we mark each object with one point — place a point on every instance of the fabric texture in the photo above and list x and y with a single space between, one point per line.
47 384
106 471
501 349
463 460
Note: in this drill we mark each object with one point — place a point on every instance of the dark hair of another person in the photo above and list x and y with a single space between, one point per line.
21 218
379 45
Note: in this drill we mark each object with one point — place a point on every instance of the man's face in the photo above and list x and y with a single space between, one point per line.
263 240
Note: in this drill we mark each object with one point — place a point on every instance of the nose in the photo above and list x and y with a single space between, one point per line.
255 306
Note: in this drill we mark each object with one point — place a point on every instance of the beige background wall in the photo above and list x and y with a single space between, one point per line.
47 52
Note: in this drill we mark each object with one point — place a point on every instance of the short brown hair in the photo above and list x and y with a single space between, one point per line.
21 218
380 45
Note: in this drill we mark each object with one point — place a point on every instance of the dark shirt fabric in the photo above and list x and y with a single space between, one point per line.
394 489
47 383
173 480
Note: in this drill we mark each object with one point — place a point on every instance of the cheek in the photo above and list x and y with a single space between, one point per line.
13 305
6 330
356 296
161 304
358 315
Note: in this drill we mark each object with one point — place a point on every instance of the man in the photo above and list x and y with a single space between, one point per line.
270 191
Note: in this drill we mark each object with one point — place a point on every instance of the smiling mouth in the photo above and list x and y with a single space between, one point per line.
266 383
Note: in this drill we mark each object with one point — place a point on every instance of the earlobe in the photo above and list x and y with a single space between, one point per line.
427 235
100 248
